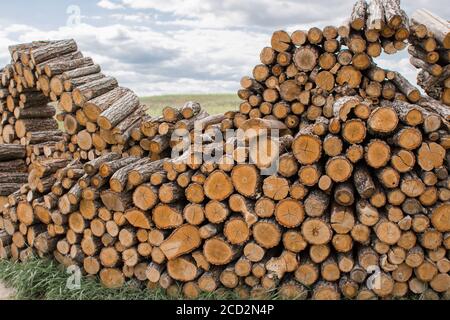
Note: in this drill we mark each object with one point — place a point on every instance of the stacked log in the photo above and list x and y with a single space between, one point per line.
376 26
98 115
358 206
207 225
430 53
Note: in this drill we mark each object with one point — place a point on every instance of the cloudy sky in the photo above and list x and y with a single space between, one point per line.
178 46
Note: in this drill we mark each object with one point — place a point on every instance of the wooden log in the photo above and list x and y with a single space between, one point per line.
118 111
218 186
289 213
438 26
219 252
167 217
22 127
358 16
307 147
267 234
183 240
306 58
52 50
406 88
93 89
280 41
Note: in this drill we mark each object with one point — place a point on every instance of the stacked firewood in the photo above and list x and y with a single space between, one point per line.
330 182
430 53
381 25
323 221
97 113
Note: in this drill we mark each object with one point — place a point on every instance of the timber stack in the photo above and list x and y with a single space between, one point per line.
358 206
430 53
92 106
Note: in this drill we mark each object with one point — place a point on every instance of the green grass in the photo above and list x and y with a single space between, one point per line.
44 279
213 103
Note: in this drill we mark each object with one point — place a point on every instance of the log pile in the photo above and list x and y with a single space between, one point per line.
358 206
430 53
27 125
97 113
375 26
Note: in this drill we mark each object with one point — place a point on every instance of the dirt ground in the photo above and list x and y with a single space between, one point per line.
5 293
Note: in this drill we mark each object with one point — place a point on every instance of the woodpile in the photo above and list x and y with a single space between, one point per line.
430 53
97 114
358 206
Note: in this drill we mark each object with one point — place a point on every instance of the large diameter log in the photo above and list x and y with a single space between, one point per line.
44 112
24 126
55 68
246 180
13 177
281 41
12 152
218 186
182 269
17 165
69 85
93 89
307 147
306 58
219 252
383 120
80 72
112 278
118 111
183 240
53 50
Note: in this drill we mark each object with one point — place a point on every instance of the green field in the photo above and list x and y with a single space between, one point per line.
213 103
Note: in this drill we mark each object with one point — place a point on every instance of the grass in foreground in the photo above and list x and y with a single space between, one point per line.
213 103
44 279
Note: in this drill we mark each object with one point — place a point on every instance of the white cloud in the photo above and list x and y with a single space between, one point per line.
179 46
150 62
106 4
136 18
249 13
